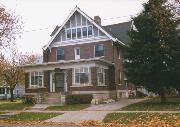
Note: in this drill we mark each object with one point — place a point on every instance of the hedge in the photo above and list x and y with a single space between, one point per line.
79 99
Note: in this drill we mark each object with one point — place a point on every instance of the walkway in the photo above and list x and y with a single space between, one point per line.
92 113
113 106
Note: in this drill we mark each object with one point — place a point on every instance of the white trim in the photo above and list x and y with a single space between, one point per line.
75 42
77 57
87 17
89 77
103 72
36 85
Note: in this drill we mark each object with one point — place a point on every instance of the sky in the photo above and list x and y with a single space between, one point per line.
40 17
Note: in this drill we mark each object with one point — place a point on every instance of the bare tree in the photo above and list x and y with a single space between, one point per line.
10 27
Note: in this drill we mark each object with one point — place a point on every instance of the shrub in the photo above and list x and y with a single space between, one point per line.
79 99
29 99
140 94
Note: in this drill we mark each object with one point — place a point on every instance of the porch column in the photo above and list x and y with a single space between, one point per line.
47 81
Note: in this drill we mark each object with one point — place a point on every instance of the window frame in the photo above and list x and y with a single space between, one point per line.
75 53
102 71
89 76
39 73
59 54
95 50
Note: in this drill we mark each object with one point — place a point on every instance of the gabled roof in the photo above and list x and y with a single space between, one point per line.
120 31
57 30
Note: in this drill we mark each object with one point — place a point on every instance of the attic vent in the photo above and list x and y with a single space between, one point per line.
97 19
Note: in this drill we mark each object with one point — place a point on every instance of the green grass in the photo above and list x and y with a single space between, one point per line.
74 107
32 116
18 105
126 118
172 104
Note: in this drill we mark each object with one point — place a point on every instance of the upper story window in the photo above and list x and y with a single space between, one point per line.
73 33
79 32
99 50
84 31
60 54
90 31
68 34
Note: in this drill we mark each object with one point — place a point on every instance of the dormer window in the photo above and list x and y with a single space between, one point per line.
84 31
68 34
60 54
78 33
90 31
73 33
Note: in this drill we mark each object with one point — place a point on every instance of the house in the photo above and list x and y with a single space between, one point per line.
82 57
19 91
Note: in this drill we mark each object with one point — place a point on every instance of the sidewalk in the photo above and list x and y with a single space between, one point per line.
92 113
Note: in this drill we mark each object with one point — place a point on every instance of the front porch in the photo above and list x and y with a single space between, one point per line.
73 77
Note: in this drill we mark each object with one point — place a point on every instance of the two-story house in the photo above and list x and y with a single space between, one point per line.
82 57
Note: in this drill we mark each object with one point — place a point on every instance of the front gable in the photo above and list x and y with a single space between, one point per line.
78 28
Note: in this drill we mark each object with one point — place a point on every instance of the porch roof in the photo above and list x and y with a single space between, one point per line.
69 63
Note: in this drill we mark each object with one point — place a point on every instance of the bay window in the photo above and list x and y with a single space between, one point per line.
81 76
73 33
90 31
35 79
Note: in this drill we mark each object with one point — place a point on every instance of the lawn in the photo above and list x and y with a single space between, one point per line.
143 118
154 104
32 116
75 107
18 105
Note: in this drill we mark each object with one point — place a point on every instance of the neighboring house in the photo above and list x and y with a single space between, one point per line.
82 57
19 91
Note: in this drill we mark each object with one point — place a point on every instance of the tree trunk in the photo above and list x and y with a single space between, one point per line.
12 95
178 91
162 95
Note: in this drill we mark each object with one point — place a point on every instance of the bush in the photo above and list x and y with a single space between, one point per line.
79 99
29 99
140 94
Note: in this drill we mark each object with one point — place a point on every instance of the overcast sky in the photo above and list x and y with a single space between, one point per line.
41 16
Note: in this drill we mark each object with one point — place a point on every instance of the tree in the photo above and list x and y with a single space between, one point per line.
152 59
10 27
11 72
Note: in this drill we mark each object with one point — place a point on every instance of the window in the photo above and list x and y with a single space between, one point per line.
68 34
81 76
73 33
36 79
78 32
2 90
120 77
90 31
101 76
84 31
60 54
119 53
99 50
77 53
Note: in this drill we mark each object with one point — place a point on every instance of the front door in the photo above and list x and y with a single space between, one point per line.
59 82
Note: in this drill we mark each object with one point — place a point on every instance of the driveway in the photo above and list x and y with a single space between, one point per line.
95 112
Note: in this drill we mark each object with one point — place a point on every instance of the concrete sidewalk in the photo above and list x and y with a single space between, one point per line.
113 106
92 113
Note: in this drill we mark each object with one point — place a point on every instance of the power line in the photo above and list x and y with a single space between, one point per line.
51 27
